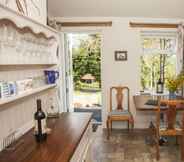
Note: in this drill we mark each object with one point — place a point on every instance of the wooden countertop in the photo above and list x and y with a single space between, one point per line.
67 131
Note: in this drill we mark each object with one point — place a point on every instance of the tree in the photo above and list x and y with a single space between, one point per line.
150 69
87 58
157 63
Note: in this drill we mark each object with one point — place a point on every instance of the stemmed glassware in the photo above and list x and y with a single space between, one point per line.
11 36
18 42
26 46
1 40
4 34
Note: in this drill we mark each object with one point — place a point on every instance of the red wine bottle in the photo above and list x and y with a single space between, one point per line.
40 123
160 86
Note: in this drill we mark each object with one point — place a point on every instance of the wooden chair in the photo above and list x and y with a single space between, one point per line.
119 113
168 126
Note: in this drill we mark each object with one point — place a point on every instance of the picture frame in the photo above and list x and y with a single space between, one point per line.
120 56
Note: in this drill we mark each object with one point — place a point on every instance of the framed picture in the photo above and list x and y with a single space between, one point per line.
120 55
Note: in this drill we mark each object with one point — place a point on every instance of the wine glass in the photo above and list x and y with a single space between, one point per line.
1 40
10 36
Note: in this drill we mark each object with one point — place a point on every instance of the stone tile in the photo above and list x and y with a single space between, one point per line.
116 155
129 147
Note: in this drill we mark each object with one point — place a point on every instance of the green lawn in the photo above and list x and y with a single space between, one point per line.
88 87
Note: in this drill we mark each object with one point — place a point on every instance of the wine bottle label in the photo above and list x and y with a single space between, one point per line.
43 126
160 88
36 126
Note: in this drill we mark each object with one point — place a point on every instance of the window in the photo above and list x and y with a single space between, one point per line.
158 59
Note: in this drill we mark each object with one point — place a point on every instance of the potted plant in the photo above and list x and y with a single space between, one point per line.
181 86
173 83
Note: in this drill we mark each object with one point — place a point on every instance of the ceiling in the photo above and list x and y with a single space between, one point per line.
120 8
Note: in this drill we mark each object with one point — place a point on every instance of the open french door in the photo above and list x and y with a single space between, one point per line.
68 70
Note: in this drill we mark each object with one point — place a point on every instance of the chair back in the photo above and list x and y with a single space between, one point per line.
168 115
121 94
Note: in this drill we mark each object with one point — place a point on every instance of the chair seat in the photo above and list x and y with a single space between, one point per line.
119 113
163 126
164 131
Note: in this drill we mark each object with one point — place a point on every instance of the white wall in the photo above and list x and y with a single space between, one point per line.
120 37
120 8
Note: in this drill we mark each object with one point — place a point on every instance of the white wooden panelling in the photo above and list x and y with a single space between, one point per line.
25 94
18 117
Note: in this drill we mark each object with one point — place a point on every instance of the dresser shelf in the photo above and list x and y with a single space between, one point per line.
26 94
13 67
44 64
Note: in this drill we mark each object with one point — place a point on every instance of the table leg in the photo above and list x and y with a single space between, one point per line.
150 138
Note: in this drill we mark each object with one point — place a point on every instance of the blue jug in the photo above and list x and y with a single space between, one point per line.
51 76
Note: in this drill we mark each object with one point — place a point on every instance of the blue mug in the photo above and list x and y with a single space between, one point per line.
51 76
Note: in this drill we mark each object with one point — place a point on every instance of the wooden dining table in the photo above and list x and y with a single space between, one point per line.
174 102
141 104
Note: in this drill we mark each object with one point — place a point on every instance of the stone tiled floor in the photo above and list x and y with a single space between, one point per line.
129 147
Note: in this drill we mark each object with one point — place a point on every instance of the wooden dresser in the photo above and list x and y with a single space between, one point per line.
68 142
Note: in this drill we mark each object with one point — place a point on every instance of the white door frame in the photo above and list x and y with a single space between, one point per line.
62 81
68 74
63 62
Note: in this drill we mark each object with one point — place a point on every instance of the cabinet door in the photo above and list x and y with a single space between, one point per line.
87 153
83 147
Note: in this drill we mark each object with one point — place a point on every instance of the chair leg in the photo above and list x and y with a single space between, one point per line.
157 150
128 125
107 124
182 147
157 138
111 125
133 125
176 140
